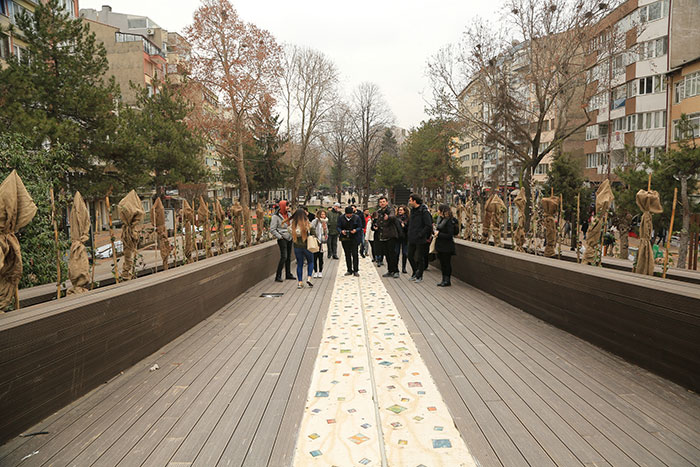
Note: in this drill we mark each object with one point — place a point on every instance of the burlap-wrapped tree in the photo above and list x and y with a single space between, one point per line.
187 215
494 209
203 222
649 203
594 237
550 208
17 209
237 221
158 219
467 212
78 264
260 218
131 214
519 234
220 217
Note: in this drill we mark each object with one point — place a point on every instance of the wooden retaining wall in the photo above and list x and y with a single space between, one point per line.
649 321
53 353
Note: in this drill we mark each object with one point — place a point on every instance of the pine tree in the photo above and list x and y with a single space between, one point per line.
60 94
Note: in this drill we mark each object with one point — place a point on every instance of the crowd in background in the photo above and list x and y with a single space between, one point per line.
387 234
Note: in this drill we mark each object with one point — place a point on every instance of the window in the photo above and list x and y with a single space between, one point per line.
69 6
15 10
619 124
694 120
692 84
591 160
619 64
475 155
4 46
631 122
653 48
545 125
650 120
591 132
653 11
542 169
632 88
3 10
646 85
679 92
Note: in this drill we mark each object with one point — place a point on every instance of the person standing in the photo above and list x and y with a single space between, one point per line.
376 247
349 229
370 236
320 229
301 229
447 228
420 228
388 237
365 243
279 229
402 246
333 215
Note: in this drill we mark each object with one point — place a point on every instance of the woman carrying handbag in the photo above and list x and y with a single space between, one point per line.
302 235
319 226
444 243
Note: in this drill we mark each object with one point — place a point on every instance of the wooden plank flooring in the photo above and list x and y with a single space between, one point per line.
231 391
525 393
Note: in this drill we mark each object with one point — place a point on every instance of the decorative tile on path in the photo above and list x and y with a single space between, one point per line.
372 400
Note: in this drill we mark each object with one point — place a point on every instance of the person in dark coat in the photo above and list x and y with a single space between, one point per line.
420 229
446 229
333 216
388 236
402 245
350 231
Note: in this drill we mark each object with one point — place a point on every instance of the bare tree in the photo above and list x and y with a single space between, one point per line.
336 143
240 63
370 117
309 87
527 74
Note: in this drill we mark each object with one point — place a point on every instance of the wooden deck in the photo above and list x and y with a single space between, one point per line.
231 391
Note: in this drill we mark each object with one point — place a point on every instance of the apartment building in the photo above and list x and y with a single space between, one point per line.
11 41
640 57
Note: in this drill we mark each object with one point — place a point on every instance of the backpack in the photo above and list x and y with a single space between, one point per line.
456 226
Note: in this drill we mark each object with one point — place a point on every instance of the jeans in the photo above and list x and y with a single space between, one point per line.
362 243
318 261
301 254
352 261
392 257
402 248
416 256
332 245
285 257
445 264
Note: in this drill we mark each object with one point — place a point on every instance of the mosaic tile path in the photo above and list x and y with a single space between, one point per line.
372 400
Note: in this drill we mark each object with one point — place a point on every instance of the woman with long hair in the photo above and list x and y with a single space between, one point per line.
402 216
446 228
301 229
320 229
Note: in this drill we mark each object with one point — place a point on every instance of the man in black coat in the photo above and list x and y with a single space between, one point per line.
350 230
388 236
420 231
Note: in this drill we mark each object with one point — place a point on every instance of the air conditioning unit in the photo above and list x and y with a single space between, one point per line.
150 32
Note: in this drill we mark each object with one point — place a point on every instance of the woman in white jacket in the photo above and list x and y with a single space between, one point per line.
320 228
370 234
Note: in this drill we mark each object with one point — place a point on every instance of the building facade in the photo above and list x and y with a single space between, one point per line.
11 41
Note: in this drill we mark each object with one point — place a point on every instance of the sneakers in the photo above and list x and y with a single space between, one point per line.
316 274
418 280
349 273
278 279
412 278
388 274
356 274
290 277
396 275
300 285
320 275
308 282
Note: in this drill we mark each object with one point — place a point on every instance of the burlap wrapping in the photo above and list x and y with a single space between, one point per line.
78 264
603 197
237 211
17 209
187 214
467 222
495 207
158 219
220 217
550 207
260 218
131 213
519 234
648 202
203 222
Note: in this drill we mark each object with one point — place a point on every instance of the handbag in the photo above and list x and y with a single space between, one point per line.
432 245
312 244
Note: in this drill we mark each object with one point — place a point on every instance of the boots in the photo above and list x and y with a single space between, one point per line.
445 282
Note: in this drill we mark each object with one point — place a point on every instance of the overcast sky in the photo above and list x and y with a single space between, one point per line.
383 41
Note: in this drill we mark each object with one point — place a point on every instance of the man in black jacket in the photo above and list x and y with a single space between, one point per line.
388 236
350 230
420 231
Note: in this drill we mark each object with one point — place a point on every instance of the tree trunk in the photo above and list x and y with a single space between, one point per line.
685 230
528 198
245 191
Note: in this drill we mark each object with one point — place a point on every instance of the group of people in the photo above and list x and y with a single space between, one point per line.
386 235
